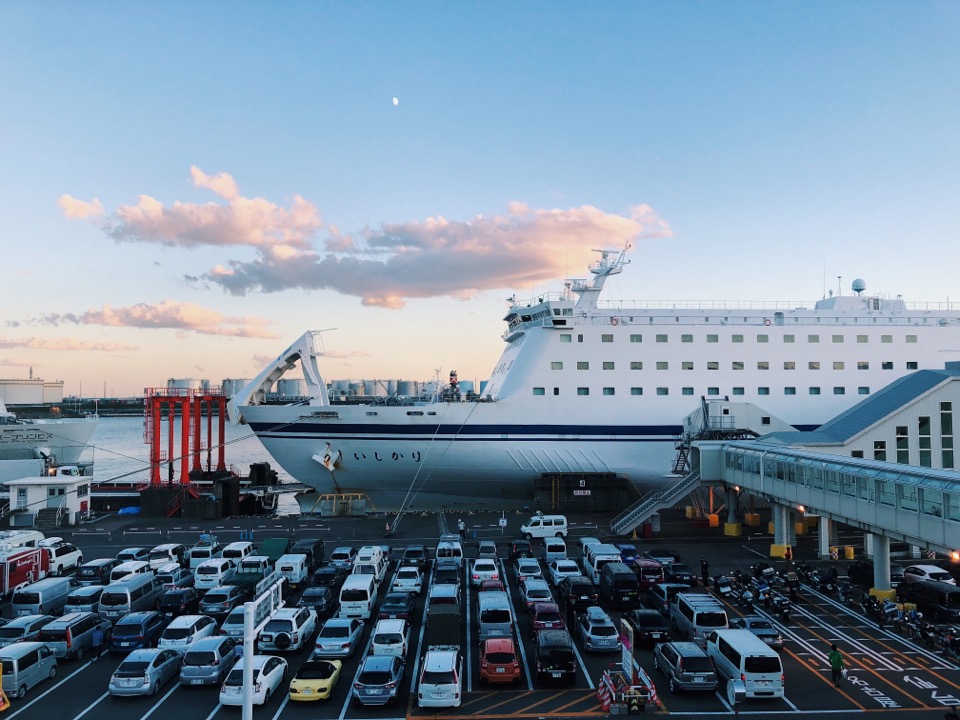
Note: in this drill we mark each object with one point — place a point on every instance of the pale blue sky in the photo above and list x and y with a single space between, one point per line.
753 151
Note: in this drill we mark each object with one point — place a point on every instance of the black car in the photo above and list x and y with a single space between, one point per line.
575 594
219 601
680 574
520 548
649 626
417 556
329 576
397 605
447 573
322 599
313 548
179 601
861 572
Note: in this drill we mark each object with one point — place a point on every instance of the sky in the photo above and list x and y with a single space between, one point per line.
185 188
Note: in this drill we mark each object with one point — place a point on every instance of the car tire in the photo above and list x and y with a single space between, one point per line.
529 537
53 672
656 663
21 692
155 688
266 697
282 641
79 654
59 571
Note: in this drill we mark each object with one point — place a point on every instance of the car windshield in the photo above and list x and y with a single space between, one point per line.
760 625
495 616
127 629
216 598
388 639
132 668
114 598
436 677
10 633
374 677
500 658
205 570
713 619
315 671
235 678
314 594
26 598
537 593
177 633
762 664
354 595
603 630
199 658
549 616
277 626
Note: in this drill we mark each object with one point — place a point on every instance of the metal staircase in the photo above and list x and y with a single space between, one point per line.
654 501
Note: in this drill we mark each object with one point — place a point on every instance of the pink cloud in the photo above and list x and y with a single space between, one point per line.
79 209
35 343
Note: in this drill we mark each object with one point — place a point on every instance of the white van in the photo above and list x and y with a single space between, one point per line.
237 551
741 655
357 596
84 599
44 597
597 557
494 615
24 665
450 549
293 567
542 526
207 548
168 553
554 548
130 568
696 615
390 637
213 572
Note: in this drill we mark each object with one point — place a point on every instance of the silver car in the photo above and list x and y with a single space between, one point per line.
144 672
761 627
208 661
23 629
338 638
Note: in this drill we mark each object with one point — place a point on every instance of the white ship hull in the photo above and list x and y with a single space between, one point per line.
64 440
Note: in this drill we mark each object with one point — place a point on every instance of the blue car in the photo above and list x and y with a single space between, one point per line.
137 630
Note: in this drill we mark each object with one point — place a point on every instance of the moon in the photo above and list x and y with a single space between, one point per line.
395 102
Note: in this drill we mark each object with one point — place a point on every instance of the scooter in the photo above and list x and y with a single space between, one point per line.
723 586
780 605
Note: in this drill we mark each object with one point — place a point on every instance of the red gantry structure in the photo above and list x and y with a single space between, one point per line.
193 404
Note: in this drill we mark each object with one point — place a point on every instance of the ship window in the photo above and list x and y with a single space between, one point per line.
789 391
886 365
838 365
763 391
580 338
737 365
687 391
608 365
863 338
789 338
713 391
863 390
686 338
687 365
763 338
414 412
371 413
737 338
886 338
556 365
636 338
813 365
814 390
863 365
911 338
838 338
431 412
763 365
663 365
839 390
661 338
636 391
813 338
556 391
738 391
789 365
608 391
566 337
911 365
713 338
583 365
583 391
606 337
636 365
713 365
539 391
663 391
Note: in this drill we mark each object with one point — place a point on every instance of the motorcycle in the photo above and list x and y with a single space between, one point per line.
723 586
780 606
744 599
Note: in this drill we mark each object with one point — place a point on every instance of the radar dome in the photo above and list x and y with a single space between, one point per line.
859 285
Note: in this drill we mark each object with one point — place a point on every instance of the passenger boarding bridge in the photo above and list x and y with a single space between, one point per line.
920 506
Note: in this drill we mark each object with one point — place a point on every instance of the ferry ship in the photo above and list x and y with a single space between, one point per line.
588 387
29 445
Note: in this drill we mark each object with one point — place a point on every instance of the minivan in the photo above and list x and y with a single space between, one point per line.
168 553
129 569
44 597
172 575
450 549
140 592
84 599
542 526
695 615
213 573
554 658
741 655
207 548
313 548
25 665
937 600
23 629
357 596
96 572
554 548
619 586
390 637
71 636
494 615
685 665
237 551
208 661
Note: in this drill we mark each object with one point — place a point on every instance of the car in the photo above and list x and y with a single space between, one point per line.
338 638
397 605
499 662
860 571
140 554
415 556
172 576
585 542
575 594
664 557
761 627
559 569
913 573
520 549
546 616
649 572
25 628
597 631
144 672
525 568
483 569
490 585
290 628
649 626
628 552
390 637
446 573
554 657
330 576
137 630
313 548
269 672
61 555
658 596
686 666
533 591
379 680
180 601
315 680
342 557
185 630
322 599
441 678
680 574
220 601
487 549
208 660
409 579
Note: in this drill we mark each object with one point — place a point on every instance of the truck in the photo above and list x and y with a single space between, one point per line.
21 566
255 574
274 548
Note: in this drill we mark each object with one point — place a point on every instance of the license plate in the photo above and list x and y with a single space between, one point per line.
500 670
556 675
267 638
656 635
196 681
307 692
763 682
374 691
699 679
125 643
624 598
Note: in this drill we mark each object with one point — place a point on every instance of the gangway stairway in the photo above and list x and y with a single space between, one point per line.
654 501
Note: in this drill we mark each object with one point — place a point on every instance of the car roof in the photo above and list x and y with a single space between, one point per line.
210 641
258 661
138 616
388 624
185 620
546 607
688 649
144 654
377 662
499 644
26 620
597 614
335 621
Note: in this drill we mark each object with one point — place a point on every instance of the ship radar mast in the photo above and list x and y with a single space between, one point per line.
611 262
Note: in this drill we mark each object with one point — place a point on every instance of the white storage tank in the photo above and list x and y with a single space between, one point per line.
22 391
231 386
290 388
407 388
193 384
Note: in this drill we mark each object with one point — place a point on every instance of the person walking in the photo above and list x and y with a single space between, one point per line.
461 526
96 642
836 665
705 572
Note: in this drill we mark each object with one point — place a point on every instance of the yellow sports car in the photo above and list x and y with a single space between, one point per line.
315 680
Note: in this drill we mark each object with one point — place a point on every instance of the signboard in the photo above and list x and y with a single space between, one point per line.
581 492
626 642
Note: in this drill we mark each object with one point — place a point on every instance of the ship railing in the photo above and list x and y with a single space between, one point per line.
652 501
918 305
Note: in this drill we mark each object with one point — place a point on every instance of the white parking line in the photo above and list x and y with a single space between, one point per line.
516 624
92 705
286 699
47 692
214 711
467 650
160 701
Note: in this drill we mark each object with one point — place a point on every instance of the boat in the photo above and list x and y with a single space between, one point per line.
593 389
30 446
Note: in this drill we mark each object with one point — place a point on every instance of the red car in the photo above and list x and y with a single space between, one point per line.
498 661
546 616
490 585
649 572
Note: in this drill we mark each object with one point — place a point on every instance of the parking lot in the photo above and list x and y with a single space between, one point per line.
887 673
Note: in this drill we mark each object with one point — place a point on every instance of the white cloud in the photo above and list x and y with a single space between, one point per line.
79 209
